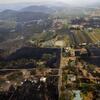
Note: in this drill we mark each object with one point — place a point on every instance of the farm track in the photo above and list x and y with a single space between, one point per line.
94 37
71 38
82 37
97 36
74 38
78 40
88 38
97 33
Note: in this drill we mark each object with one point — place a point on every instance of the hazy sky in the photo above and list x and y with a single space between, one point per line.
67 1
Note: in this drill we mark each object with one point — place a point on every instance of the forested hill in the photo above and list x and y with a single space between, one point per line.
22 16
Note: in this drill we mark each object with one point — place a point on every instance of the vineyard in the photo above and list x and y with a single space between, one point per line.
78 37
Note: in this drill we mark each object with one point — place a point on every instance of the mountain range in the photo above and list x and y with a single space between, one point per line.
19 6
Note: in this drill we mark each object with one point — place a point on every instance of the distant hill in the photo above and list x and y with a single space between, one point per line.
53 4
18 6
34 8
21 16
11 22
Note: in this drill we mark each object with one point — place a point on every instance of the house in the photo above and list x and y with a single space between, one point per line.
76 27
71 78
70 50
67 49
43 79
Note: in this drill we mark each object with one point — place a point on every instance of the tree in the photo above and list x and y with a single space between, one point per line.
47 56
62 96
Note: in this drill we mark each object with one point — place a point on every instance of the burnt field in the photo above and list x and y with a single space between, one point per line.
29 57
93 57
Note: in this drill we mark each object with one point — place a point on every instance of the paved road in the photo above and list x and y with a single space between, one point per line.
27 69
60 75
54 69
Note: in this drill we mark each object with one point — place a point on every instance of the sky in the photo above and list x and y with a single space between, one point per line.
66 1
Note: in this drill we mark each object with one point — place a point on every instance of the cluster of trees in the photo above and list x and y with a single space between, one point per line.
30 91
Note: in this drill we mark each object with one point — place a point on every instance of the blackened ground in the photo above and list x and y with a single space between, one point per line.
33 91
